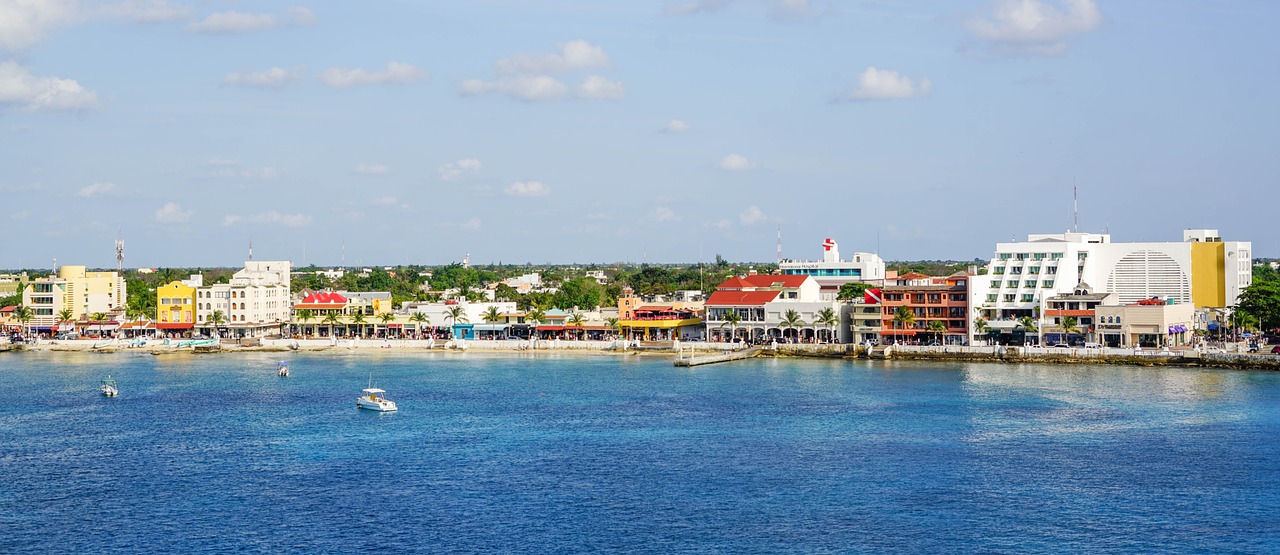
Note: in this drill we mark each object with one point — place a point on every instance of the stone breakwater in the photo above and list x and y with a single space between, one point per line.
1019 355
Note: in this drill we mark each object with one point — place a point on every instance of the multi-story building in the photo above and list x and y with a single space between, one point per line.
943 300
831 272
762 303
176 305
255 302
1080 306
1202 270
74 288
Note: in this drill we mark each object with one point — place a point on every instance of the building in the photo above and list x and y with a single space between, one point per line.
176 305
1146 324
254 303
77 291
1079 306
831 272
1201 270
762 304
650 319
939 309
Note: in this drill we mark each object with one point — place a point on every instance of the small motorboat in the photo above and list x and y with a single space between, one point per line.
109 388
282 369
371 398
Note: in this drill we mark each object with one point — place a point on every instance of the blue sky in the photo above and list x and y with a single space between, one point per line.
663 131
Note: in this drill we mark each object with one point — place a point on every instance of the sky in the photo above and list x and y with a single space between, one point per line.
397 132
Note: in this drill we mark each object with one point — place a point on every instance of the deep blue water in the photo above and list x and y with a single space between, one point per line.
586 454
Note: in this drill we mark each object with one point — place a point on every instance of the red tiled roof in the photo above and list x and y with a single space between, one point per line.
324 298
733 282
741 298
763 280
912 276
8 309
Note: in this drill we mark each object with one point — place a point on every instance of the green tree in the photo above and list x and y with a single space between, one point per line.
852 291
981 326
1261 303
732 318
577 320
614 324
938 328
1069 326
791 320
386 318
332 319
306 315
418 320
583 292
23 315
357 319
216 319
98 316
1028 325
492 315
65 315
904 317
827 318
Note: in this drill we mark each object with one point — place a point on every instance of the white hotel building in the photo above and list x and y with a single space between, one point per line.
1201 270
255 302
831 272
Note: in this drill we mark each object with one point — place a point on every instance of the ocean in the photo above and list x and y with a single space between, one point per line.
546 453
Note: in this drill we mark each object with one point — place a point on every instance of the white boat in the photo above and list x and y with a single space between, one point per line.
109 388
282 369
371 398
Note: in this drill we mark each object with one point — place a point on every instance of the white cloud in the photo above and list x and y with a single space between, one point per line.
722 224
396 72
532 88
172 213
273 78
96 189
597 87
384 201
791 10
1035 27
573 55
676 126
230 23
219 162
300 16
24 23
527 189
372 169
752 215
18 86
884 84
736 163
693 7
269 218
663 214
20 215
452 171
230 171
470 225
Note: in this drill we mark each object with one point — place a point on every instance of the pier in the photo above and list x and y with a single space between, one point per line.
694 360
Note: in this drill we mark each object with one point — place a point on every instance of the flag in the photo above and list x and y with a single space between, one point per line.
871 296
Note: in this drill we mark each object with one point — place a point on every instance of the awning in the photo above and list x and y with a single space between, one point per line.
175 325
490 327
395 325
102 327
550 328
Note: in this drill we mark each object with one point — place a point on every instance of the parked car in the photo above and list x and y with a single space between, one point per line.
1060 346
1275 350
1093 345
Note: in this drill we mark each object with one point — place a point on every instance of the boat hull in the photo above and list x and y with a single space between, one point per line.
381 405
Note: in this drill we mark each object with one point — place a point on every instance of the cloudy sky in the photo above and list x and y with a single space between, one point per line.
661 131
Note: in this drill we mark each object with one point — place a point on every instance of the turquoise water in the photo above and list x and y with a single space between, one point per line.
544 454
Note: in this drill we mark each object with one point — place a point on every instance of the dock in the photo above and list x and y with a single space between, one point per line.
719 357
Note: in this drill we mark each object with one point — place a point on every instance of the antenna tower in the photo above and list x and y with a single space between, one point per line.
1075 203
779 244
119 253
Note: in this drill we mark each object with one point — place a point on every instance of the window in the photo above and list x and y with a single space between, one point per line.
1051 270
1048 284
1005 256
1027 298
1030 283
998 271
992 298
1022 256
1009 298
1033 270
1056 256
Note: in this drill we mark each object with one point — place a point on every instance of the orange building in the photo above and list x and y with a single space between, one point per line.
930 299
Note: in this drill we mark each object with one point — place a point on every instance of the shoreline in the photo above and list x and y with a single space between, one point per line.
1009 355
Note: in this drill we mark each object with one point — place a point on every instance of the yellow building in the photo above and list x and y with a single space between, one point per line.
74 289
176 306
652 321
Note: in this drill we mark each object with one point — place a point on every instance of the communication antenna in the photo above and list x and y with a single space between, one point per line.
119 252
250 248
779 244
1075 203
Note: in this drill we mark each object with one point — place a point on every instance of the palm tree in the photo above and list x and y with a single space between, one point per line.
64 315
827 318
1069 327
534 316
98 316
938 328
613 325
904 317
733 319
216 319
980 325
305 314
23 314
386 318
1028 324
332 319
358 320
576 320
790 320
492 315
456 315
418 320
